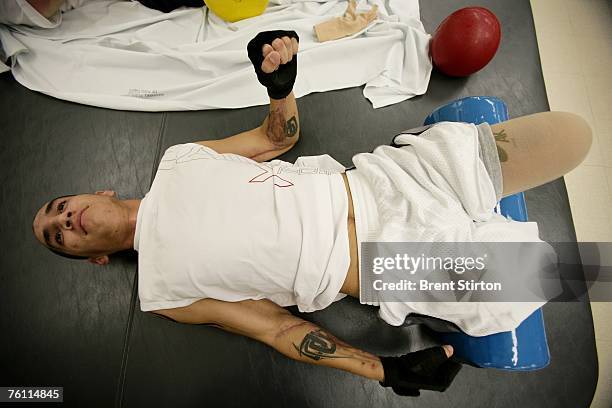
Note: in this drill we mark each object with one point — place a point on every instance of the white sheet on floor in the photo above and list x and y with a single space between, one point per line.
122 55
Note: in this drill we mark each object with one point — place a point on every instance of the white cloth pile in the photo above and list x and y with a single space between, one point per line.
122 55
436 189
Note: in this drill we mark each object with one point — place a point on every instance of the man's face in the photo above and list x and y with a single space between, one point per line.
89 225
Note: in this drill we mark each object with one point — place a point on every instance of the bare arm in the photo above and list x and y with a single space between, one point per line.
280 129
278 133
269 323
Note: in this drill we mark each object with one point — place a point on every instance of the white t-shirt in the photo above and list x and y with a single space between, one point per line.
226 227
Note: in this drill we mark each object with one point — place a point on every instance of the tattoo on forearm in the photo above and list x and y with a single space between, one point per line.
318 345
279 129
291 127
501 136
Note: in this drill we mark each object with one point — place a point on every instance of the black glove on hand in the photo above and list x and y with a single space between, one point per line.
280 82
427 369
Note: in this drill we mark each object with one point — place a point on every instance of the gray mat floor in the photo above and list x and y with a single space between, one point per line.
72 324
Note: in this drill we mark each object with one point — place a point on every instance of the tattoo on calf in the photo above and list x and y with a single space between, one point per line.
501 136
318 345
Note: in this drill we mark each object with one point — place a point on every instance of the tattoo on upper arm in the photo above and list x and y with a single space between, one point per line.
318 345
501 136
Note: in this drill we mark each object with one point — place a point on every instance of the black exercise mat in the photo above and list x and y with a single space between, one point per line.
63 322
71 324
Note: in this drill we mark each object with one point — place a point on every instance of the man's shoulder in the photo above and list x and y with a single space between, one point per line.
183 153
185 148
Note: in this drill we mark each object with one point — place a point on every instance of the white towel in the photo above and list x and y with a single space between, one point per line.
122 55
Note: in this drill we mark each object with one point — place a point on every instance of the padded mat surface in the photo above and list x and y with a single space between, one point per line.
79 326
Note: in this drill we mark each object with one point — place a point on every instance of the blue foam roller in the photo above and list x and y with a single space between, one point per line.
473 109
525 348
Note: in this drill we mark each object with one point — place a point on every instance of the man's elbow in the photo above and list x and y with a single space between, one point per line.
284 330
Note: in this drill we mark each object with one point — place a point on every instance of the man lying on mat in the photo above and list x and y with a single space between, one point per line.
228 236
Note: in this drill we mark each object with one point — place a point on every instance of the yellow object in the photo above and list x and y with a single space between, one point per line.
235 10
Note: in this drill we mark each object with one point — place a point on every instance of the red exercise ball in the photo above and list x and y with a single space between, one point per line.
465 41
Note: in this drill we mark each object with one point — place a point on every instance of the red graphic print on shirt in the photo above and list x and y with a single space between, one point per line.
268 173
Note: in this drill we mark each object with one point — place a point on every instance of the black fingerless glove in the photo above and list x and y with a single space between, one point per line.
280 82
427 369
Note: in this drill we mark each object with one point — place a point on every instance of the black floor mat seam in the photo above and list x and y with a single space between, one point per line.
134 296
